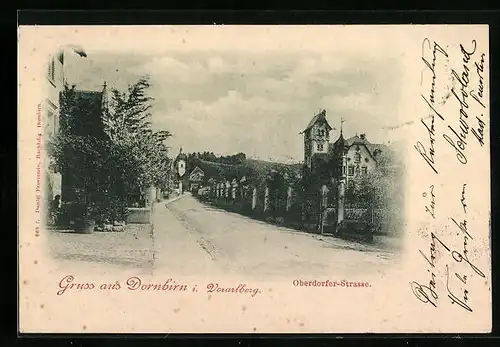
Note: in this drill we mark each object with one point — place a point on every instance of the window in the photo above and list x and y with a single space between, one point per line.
357 158
364 170
351 170
51 70
350 184
320 147
343 170
357 170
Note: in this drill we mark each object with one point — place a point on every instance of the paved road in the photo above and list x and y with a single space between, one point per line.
191 238
195 238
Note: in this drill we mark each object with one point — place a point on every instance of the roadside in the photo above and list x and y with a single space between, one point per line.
130 248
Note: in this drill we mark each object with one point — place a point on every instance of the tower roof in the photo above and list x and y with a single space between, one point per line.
320 117
341 142
181 155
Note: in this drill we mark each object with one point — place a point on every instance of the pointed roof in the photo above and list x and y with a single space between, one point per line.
320 117
196 170
341 142
181 155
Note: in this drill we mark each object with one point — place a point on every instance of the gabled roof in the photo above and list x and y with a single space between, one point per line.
371 147
320 117
356 140
196 170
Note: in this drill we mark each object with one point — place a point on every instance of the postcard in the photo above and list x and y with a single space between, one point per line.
254 179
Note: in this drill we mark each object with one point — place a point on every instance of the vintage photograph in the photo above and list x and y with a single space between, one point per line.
254 179
268 163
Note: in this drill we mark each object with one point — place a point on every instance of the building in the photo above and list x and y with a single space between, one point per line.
179 180
196 179
54 85
352 157
316 137
55 80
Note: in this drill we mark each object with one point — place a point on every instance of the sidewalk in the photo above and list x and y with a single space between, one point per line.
130 248
176 249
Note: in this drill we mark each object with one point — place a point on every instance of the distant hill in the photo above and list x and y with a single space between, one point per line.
251 169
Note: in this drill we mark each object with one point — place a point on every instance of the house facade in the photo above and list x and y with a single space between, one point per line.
55 80
51 113
196 179
353 157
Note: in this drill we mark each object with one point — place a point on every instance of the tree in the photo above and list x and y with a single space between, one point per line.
108 167
127 123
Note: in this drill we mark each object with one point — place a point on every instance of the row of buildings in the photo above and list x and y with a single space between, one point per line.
352 157
318 191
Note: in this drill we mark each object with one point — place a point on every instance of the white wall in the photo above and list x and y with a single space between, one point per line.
51 114
366 160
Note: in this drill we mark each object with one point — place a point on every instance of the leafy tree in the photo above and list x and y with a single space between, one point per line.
122 156
127 123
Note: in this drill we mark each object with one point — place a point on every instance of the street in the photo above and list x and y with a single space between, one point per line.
190 238
194 237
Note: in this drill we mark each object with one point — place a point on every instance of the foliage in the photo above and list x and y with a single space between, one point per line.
127 125
194 158
371 189
120 157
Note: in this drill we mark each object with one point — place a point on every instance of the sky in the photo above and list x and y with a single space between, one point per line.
254 101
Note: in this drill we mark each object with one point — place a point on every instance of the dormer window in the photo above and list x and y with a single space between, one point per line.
320 147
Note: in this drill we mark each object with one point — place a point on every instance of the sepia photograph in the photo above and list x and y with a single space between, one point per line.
254 173
223 155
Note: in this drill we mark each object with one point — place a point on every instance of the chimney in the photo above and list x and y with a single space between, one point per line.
362 136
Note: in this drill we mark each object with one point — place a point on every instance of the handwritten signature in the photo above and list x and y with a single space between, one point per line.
428 293
427 152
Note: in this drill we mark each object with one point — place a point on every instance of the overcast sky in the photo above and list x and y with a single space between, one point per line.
230 101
